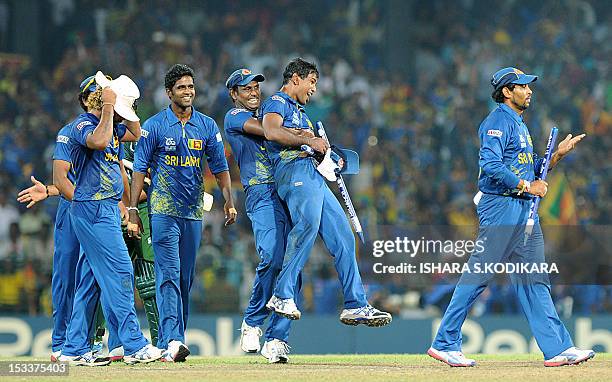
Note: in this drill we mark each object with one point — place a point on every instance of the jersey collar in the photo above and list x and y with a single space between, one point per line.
515 116
173 119
287 97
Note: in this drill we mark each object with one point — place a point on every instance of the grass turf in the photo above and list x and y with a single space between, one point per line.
388 367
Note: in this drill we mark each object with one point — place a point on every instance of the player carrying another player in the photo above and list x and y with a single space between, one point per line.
508 182
312 206
269 218
172 146
96 155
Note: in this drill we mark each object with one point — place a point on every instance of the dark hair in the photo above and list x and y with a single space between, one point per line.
175 73
498 95
82 97
301 67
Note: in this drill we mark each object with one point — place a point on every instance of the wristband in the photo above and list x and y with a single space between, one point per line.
108 103
131 208
526 187
47 189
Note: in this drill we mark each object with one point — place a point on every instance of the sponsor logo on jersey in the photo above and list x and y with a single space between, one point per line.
195 144
82 124
236 111
62 139
144 133
523 141
494 133
278 98
218 136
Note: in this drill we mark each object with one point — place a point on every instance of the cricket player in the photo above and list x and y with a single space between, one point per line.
507 181
173 146
269 217
66 244
96 155
312 206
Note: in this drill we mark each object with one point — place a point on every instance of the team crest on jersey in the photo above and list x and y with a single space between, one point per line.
523 141
194 144
170 144
81 125
495 133
278 98
62 139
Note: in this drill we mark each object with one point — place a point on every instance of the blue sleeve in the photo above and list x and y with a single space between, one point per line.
215 151
143 153
235 120
275 104
62 147
81 130
494 138
121 129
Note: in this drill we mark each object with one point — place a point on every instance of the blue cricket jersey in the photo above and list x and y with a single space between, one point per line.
62 151
248 149
175 155
98 175
293 117
506 152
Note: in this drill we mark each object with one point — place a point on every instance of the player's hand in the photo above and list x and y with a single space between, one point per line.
538 188
124 214
134 225
108 95
304 133
318 144
33 194
230 213
568 144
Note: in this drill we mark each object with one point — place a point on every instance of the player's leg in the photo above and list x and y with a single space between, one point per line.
144 273
98 330
533 291
65 258
98 227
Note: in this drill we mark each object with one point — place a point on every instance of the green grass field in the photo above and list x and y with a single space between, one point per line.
393 367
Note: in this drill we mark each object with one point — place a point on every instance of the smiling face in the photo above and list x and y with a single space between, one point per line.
182 93
519 98
305 87
248 96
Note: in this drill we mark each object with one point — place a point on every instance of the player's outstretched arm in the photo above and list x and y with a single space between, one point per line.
36 193
274 131
564 148
225 184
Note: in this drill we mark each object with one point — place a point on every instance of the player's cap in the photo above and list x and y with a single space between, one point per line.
242 77
507 76
88 83
127 92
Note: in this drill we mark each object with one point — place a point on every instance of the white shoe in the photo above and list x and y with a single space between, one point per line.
276 351
571 356
176 352
55 356
451 358
367 315
97 348
285 307
146 354
116 354
249 338
87 359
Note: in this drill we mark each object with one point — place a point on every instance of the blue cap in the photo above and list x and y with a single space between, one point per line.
242 77
88 83
507 76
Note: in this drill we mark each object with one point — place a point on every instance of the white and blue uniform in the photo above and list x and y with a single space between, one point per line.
96 221
269 219
175 154
313 209
506 156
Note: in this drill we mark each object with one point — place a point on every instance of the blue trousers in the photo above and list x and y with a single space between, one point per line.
175 245
98 227
271 225
315 210
502 226
65 257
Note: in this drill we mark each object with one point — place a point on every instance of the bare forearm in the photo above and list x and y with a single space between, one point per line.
133 133
102 134
286 137
136 188
125 198
225 184
63 187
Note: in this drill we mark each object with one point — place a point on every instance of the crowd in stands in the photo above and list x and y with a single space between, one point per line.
416 132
